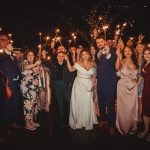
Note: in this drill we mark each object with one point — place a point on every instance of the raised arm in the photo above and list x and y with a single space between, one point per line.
30 66
93 77
119 60
140 38
70 67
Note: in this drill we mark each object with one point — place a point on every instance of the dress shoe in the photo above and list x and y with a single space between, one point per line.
111 131
103 124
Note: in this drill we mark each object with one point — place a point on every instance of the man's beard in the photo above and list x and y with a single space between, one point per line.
101 48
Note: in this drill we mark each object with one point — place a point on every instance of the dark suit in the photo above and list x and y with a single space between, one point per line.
2 99
10 68
106 86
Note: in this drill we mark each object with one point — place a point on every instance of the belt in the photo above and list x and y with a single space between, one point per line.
83 77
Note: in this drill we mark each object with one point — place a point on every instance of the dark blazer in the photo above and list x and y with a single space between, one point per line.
8 66
3 80
106 72
68 77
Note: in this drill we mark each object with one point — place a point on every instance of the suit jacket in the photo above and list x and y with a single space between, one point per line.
9 66
106 72
3 80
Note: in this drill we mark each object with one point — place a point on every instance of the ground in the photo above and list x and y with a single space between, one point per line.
51 136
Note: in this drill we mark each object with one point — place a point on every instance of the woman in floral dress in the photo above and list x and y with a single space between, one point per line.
30 89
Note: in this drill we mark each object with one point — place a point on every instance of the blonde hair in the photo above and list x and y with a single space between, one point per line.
88 52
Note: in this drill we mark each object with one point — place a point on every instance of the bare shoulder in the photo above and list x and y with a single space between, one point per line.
93 64
79 62
133 66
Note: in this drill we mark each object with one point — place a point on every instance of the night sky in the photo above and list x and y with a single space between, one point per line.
26 20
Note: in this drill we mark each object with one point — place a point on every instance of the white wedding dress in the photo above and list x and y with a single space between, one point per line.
82 111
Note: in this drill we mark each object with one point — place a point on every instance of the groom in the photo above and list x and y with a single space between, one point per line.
106 83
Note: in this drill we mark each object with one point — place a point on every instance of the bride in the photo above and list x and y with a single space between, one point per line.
82 113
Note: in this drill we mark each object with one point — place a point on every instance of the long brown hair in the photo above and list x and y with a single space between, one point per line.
133 56
87 51
146 48
30 50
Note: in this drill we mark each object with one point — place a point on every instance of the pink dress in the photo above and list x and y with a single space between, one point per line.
127 104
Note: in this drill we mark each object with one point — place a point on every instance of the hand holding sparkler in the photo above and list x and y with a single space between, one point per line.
120 44
56 32
95 33
105 28
40 36
38 62
66 58
69 41
118 53
47 39
39 51
140 38
106 50
74 37
53 44
10 40
9 47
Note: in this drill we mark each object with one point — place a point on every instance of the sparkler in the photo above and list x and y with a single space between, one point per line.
131 38
56 32
118 26
105 28
40 51
40 36
58 39
47 39
73 34
69 41
11 41
1 51
100 17
75 37
125 24
39 46
10 35
48 58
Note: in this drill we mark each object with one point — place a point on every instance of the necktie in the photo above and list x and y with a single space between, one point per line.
11 56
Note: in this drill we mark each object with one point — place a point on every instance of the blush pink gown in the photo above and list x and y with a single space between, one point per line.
127 104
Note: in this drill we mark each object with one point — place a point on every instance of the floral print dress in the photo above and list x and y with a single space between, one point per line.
30 91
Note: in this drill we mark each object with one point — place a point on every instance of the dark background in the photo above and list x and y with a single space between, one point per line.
25 20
